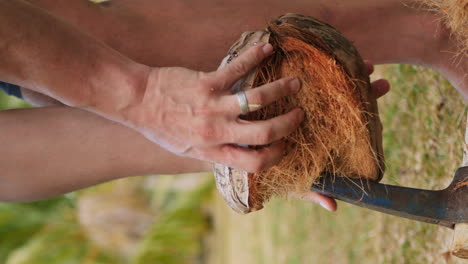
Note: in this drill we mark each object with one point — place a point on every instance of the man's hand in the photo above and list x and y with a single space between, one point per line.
187 112
379 87
195 114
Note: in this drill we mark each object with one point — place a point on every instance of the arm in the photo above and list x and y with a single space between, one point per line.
394 31
211 27
384 31
188 112
82 149
51 57
98 178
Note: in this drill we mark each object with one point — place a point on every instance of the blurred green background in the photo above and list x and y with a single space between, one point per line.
181 219
154 219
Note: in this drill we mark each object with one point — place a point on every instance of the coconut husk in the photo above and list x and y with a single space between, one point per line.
454 14
341 133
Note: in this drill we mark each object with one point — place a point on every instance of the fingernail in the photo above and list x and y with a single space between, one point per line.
326 206
295 85
267 48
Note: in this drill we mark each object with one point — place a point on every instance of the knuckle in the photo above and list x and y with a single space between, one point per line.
258 98
204 155
293 119
278 88
258 165
230 135
258 54
228 155
266 136
227 151
283 87
239 68
207 82
211 109
208 133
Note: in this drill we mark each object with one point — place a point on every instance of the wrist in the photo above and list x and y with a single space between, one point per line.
132 113
123 86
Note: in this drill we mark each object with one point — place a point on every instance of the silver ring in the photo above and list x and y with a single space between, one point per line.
242 99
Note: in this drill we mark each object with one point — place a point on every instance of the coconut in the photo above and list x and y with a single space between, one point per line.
341 134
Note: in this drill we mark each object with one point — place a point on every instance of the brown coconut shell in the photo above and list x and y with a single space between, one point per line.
246 192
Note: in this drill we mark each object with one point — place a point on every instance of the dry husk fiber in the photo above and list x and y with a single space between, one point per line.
336 135
454 14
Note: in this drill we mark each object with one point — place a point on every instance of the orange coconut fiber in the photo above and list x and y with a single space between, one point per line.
333 137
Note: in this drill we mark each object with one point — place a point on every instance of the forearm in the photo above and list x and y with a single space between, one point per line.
102 23
46 55
54 150
383 31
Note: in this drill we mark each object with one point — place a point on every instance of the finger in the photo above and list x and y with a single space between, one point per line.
266 131
324 201
380 87
243 64
369 66
263 95
250 160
